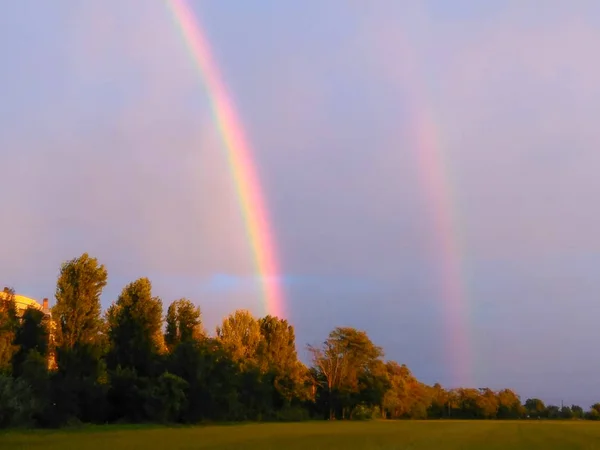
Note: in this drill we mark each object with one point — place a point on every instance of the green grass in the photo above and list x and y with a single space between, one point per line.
444 435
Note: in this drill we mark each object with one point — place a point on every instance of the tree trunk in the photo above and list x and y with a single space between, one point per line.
331 412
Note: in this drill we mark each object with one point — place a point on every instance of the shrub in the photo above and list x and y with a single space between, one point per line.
362 412
17 403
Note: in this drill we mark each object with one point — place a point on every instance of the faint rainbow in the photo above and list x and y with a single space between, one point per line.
239 157
448 245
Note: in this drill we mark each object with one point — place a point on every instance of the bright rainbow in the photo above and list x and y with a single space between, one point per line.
239 156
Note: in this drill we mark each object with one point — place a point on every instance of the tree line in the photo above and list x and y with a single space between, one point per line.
136 364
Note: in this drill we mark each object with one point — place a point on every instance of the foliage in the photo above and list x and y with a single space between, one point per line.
240 334
184 323
344 361
134 329
8 329
127 367
77 312
32 335
17 403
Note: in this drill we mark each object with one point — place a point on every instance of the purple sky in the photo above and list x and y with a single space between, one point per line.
107 145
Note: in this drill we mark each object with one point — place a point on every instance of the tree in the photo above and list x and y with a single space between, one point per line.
535 407
407 397
488 403
468 403
8 327
79 385
17 405
578 412
439 406
240 335
77 310
184 323
509 405
278 355
134 329
31 336
212 380
341 359
553 412
566 412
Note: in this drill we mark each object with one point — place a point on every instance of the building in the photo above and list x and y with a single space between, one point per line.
22 303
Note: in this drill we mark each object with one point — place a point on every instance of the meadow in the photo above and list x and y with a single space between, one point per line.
413 435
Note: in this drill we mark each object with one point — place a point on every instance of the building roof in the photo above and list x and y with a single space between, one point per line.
22 302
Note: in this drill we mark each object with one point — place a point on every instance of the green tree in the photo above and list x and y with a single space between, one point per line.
31 336
553 412
407 397
535 407
509 405
77 312
578 412
241 336
78 389
8 327
566 412
134 329
439 406
341 360
278 355
184 323
213 380
17 404
488 403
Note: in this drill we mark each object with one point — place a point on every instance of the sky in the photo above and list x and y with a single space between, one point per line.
108 146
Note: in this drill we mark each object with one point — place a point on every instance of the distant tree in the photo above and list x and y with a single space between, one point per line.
8 327
184 323
509 405
470 404
577 411
535 407
341 359
594 412
407 397
134 329
439 406
566 412
278 355
553 412
240 334
488 403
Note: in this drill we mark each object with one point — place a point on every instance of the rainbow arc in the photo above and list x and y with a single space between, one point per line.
240 158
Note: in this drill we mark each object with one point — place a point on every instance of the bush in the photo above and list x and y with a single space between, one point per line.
362 412
166 398
17 403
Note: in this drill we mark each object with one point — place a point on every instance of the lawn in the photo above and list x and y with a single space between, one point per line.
320 435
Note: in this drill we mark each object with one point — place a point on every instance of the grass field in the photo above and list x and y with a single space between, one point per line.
320 435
